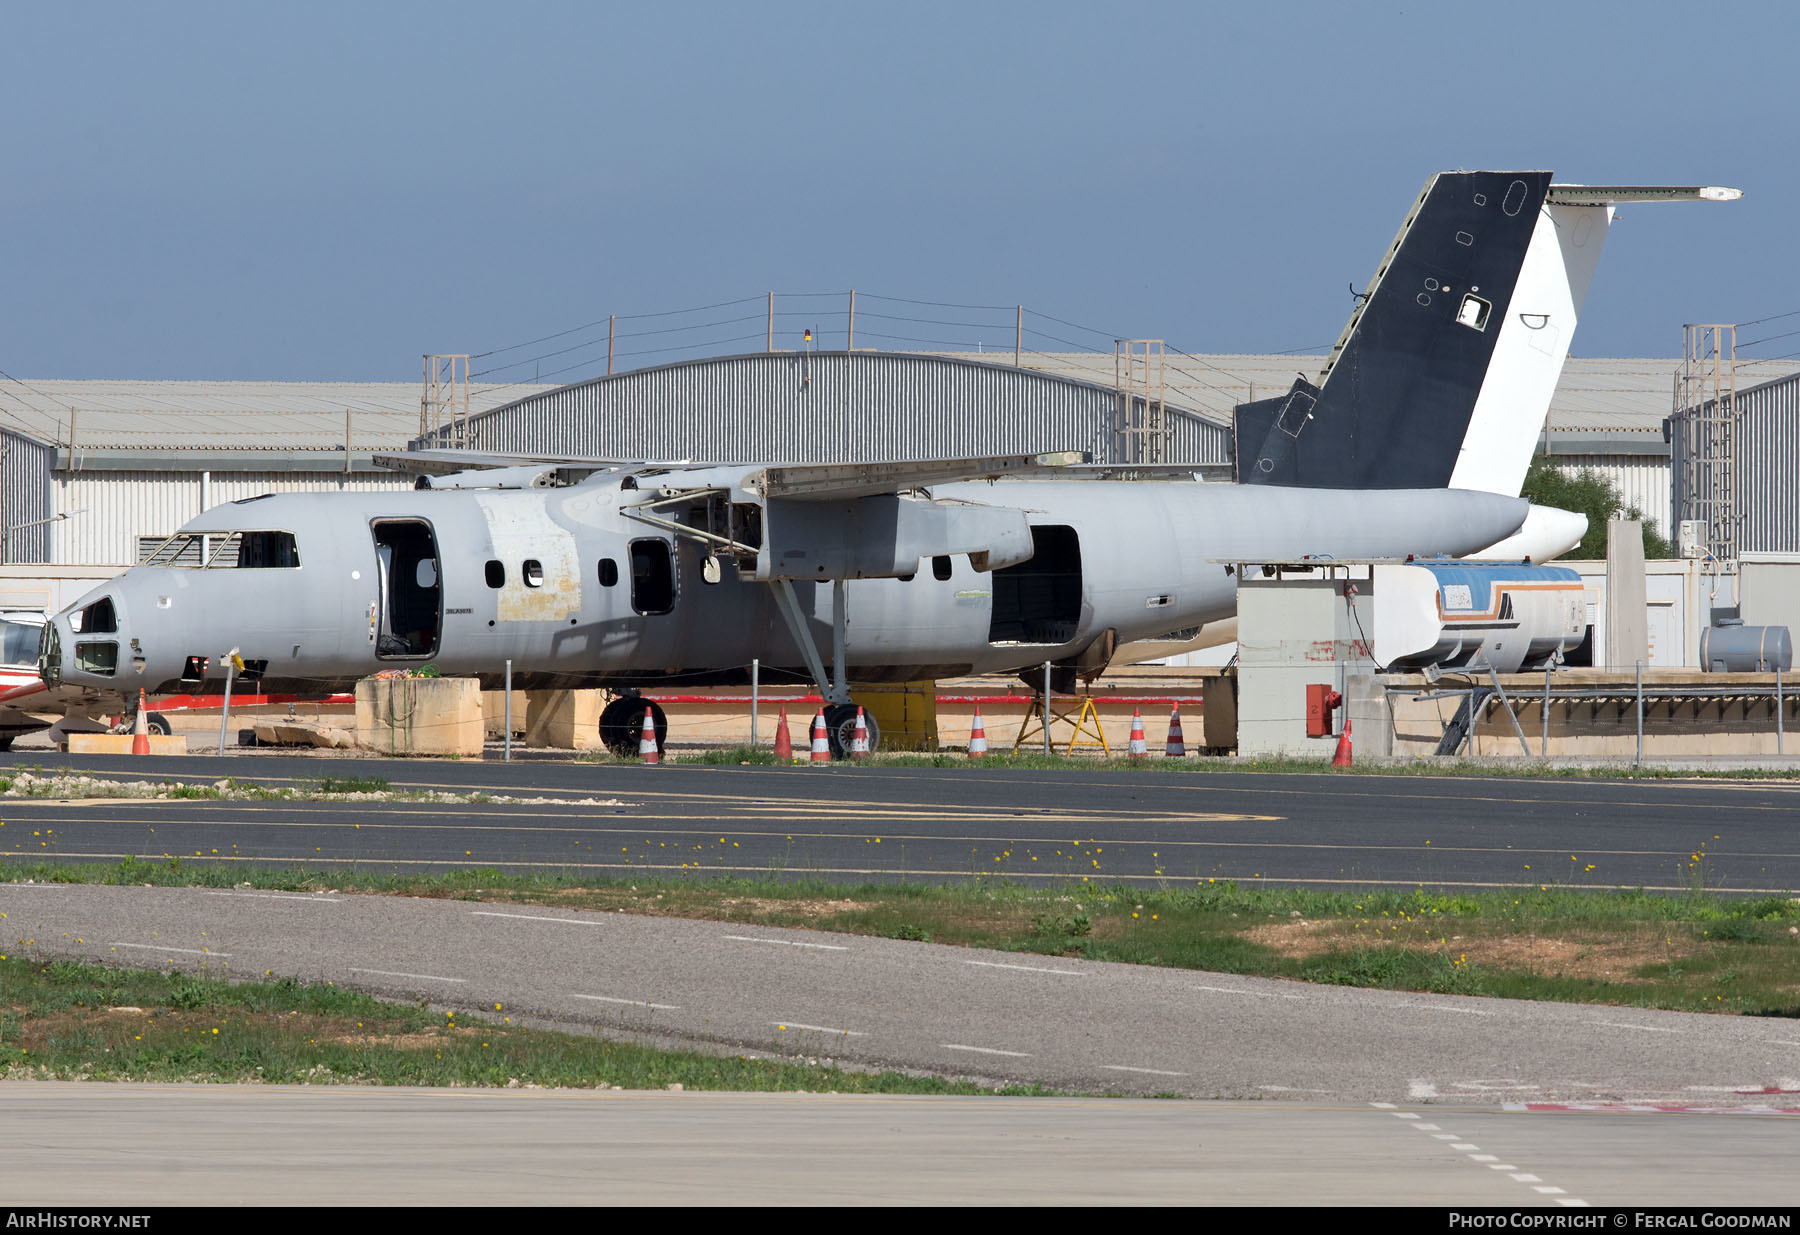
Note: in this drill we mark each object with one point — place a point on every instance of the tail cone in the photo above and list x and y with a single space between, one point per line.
859 738
1137 748
821 745
1342 758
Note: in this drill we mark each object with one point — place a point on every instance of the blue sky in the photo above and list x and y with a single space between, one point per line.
326 191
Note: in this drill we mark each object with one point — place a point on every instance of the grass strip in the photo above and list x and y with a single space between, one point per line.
1695 951
746 756
67 1020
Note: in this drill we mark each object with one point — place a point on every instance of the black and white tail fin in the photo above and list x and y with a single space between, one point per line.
1444 374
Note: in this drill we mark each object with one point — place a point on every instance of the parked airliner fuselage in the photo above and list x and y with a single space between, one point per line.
317 590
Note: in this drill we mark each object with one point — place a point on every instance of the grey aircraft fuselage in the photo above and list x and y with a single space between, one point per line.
575 593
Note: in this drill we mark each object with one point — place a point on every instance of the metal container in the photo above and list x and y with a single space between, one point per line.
1732 647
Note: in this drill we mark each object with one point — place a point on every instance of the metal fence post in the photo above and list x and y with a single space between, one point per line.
1640 711
1544 742
507 757
1047 708
225 712
1779 710
755 692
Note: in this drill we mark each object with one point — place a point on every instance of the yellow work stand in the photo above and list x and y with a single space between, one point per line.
1079 717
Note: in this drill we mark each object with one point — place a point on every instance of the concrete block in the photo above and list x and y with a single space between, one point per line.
904 712
120 744
419 716
278 731
493 712
563 719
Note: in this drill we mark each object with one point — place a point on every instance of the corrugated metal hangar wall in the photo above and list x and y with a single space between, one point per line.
1763 457
840 406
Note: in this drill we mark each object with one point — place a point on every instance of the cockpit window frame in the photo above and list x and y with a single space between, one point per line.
210 547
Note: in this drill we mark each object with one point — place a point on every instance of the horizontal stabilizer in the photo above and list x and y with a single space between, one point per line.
1621 194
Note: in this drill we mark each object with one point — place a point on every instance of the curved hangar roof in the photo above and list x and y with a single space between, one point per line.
837 406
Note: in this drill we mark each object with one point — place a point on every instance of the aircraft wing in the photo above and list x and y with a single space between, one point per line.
446 462
881 523
832 482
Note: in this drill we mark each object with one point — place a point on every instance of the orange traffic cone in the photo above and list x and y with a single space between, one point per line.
1342 758
821 745
648 750
1137 748
1177 747
859 738
977 737
784 745
140 729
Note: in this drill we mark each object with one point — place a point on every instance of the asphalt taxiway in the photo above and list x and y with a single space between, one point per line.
856 823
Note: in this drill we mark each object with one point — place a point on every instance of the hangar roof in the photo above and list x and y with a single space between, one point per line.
1624 400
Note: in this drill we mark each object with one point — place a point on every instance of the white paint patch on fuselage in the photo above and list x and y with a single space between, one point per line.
521 531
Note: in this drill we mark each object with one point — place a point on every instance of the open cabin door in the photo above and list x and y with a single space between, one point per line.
410 591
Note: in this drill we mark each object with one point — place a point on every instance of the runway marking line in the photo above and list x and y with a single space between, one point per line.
635 1003
151 947
1474 1153
535 917
1119 1067
1444 1007
282 896
1645 1028
422 977
1232 990
1072 973
848 1033
984 1050
790 943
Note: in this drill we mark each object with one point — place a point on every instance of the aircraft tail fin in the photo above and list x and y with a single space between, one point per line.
1444 373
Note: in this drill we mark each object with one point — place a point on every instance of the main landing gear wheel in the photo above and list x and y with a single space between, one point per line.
154 722
622 725
840 729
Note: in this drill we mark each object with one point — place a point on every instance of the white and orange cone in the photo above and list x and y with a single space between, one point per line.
1177 746
1342 758
648 750
821 745
140 729
859 738
1137 748
784 745
977 737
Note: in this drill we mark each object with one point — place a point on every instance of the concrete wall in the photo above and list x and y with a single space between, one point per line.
1295 630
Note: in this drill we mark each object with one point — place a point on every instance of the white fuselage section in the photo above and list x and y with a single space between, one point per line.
573 591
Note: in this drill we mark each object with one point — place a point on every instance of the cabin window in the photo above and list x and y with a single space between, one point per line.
496 573
940 567
609 572
533 572
652 576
